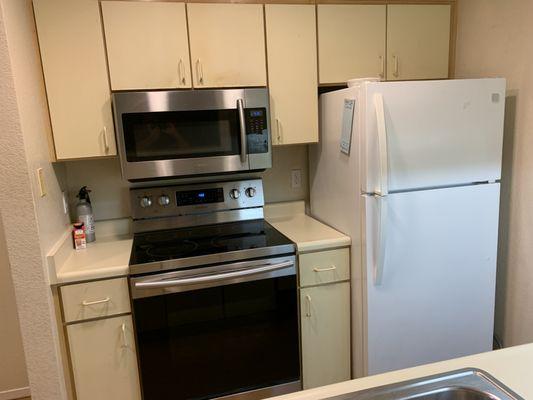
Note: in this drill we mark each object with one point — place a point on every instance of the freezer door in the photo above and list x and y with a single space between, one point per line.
434 133
435 299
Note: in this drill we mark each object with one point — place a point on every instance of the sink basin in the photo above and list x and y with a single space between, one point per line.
464 384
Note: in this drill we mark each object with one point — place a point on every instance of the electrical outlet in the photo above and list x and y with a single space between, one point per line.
296 178
40 179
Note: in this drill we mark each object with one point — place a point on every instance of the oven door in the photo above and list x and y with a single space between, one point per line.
228 330
181 133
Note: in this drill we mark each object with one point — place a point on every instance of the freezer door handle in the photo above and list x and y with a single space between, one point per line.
379 255
382 146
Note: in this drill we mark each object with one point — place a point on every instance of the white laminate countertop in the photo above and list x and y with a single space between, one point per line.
512 366
109 256
308 233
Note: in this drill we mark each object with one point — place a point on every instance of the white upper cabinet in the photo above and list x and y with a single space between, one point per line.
75 73
227 45
418 41
147 45
292 72
351 42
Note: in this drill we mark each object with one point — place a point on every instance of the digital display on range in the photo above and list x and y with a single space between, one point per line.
194 197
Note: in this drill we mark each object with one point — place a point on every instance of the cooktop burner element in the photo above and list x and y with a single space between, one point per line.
172 244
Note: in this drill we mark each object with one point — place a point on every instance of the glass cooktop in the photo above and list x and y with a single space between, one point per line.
159 246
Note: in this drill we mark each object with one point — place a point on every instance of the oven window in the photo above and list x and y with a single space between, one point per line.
180 134
218 341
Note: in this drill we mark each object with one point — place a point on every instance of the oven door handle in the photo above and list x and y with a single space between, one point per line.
213 277
242 125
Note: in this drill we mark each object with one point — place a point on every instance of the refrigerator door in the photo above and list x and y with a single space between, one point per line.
435 298
433 134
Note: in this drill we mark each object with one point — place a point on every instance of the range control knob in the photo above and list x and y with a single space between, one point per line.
250 192
163 200
146 201
234 193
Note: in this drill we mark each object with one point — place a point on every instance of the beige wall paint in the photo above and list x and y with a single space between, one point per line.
32 224
13 371
493 39
110 199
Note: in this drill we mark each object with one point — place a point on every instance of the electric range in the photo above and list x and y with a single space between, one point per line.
214 294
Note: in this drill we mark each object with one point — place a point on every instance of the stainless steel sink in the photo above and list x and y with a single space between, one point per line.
464 384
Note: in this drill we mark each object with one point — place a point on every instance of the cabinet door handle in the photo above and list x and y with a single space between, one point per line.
308 301
382 62
396 72
106 144
181 72
124 336
278 131
92 303
200 71
332 268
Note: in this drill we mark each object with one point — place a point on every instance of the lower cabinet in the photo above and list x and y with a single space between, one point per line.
325 324
103 359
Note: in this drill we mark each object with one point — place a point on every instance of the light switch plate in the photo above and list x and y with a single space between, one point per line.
296 178
40 179
65 202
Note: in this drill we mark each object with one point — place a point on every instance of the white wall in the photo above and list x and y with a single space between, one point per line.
13 374
110 199
32 224
494 39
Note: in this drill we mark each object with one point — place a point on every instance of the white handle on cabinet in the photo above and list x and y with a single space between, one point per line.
396 72
382 62
200 71
278 131
124 336
308 312
106 144
92 303
181 72
332 268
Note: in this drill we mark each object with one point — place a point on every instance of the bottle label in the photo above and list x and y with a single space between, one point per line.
88 221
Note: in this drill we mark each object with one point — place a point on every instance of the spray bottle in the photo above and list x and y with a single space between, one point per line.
84 213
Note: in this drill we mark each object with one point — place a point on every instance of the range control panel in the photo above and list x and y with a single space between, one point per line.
163 201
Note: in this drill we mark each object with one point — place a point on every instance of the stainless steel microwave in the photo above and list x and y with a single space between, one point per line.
175 133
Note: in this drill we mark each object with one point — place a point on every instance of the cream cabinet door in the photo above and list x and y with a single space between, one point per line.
325 324
292 72
147 45
104 362
227 45
75 74
418 41
351 42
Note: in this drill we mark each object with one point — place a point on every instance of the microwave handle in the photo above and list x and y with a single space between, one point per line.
244 145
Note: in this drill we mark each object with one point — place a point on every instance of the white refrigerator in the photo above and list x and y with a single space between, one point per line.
417 189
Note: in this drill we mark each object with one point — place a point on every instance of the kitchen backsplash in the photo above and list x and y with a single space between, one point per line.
109 194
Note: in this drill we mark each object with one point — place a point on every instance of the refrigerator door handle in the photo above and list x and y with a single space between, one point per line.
382 145
379 261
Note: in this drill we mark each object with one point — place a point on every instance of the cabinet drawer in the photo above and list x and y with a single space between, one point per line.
95 299
324 267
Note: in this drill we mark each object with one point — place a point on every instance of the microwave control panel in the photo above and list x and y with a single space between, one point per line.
256 130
